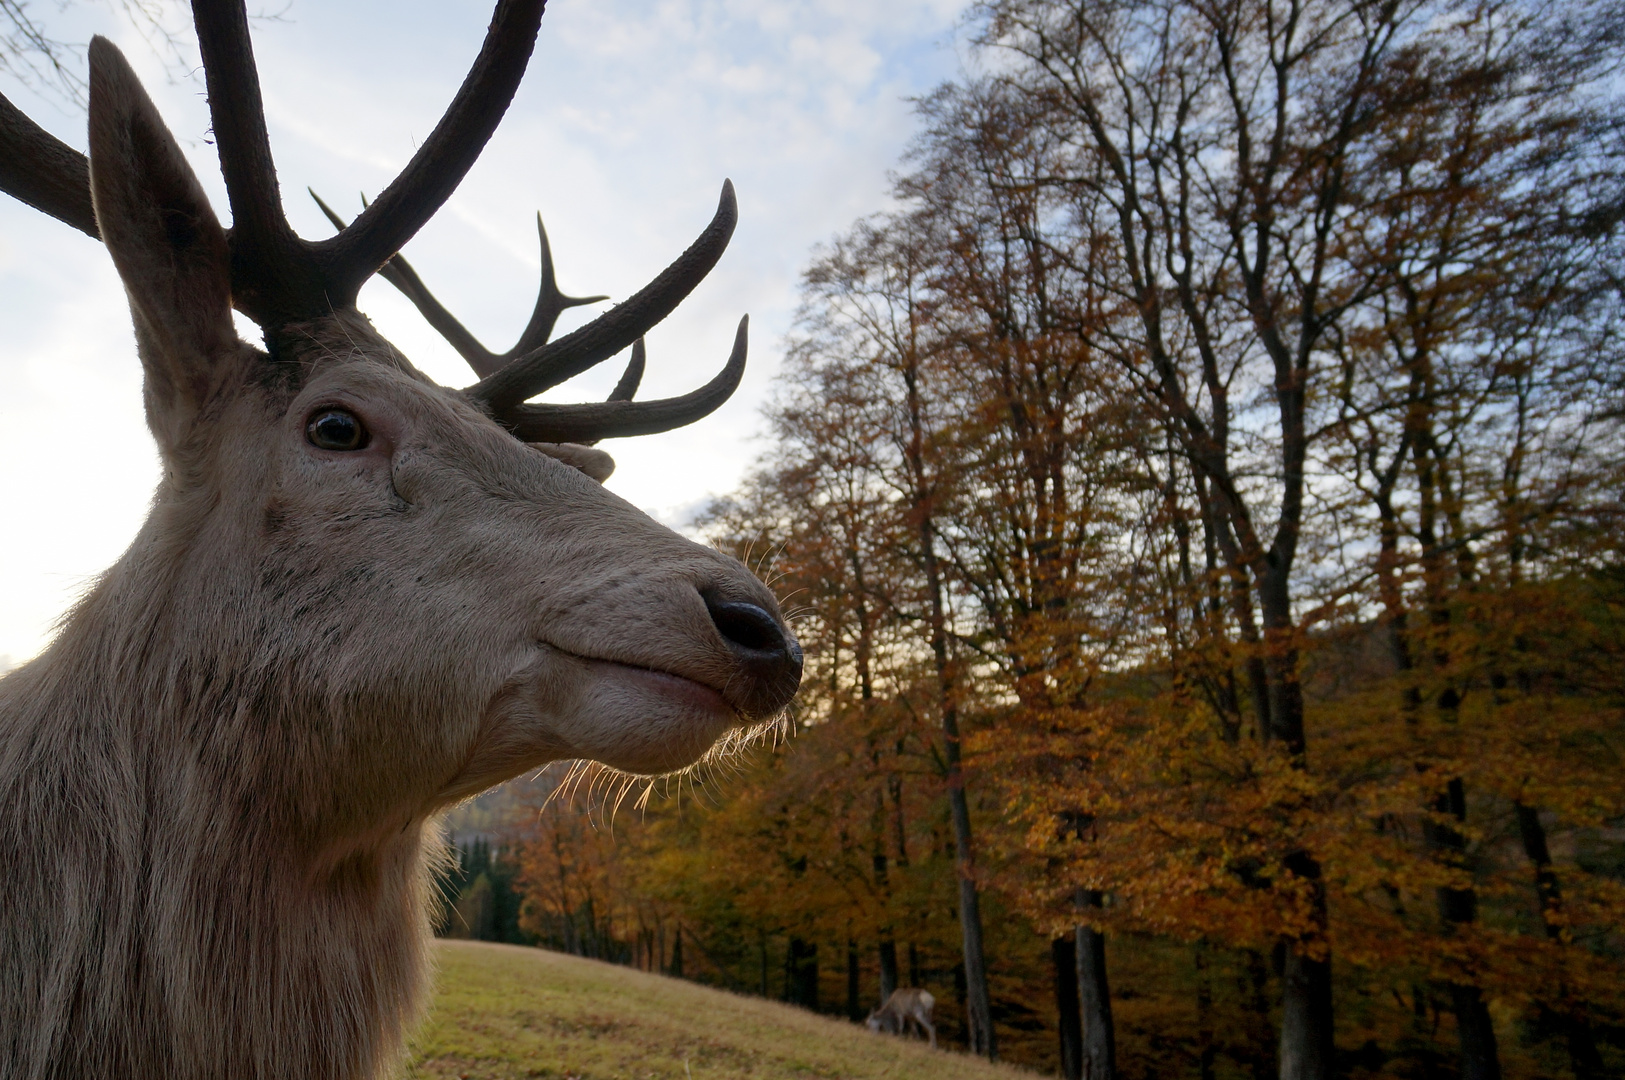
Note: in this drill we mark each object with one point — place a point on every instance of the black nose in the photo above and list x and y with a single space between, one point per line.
767 653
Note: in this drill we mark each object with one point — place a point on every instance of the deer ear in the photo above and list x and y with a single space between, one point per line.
165 240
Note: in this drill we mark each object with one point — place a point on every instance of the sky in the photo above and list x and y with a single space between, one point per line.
631 115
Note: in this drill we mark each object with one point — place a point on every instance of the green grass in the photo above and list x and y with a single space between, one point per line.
503 1011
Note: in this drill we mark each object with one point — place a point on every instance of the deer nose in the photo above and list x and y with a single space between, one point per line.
768 654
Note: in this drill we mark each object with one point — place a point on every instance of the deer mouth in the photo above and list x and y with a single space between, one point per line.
641 720
675 688
665 685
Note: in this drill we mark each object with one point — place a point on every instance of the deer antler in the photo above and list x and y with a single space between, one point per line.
534 364
618 418
627 385
279 278
284 278
613 331
505 391
44 172
550 304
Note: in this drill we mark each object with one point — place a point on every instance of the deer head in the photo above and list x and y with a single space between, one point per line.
437 567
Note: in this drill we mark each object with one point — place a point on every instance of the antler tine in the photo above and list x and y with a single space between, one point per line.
272 276
445 156
44 172
550 304
399 273
616 418
627 385
613 331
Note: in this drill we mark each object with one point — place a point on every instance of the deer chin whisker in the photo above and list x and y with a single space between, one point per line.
728 751
724 760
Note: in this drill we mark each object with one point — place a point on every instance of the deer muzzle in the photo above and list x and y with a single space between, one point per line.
768 656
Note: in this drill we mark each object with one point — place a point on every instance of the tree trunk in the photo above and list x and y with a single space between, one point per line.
1256 990
1204 1012
1064 955
888 941
888 937
854 1009
1479 1055
1480 1058
1099 1036
1306 1018
1583 1056
978 1008
801 964
1307 1049
1241 610
979 1012
959 993
761 946
888 966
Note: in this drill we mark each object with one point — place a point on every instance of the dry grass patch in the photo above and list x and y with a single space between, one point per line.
501 1011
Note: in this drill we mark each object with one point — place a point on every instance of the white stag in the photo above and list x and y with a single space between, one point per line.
358 598
905 1006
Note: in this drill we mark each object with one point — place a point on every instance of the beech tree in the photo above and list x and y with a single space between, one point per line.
868 319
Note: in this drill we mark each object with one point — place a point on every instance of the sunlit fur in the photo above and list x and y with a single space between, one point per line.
219 784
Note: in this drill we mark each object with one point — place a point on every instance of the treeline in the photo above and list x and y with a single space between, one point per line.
479 897
1200 503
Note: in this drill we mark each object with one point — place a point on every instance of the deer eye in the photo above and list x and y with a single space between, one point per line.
336 429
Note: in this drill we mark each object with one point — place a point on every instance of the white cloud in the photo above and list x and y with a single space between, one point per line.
631 115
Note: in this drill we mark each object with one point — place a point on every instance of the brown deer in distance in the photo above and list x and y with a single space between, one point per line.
358 598
907 1005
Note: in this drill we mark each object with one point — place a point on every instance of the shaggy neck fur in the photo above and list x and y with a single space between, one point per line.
171 910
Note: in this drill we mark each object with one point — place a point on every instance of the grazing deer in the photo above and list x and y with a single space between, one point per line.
358 598
906 1005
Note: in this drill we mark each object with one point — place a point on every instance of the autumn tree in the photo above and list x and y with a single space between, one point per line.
1221 145
867 316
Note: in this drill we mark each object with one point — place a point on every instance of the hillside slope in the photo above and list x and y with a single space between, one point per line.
502 1011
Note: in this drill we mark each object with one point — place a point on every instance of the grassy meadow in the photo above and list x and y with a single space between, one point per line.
502 1011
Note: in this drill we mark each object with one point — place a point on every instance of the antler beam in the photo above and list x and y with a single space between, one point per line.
273 276
445 156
